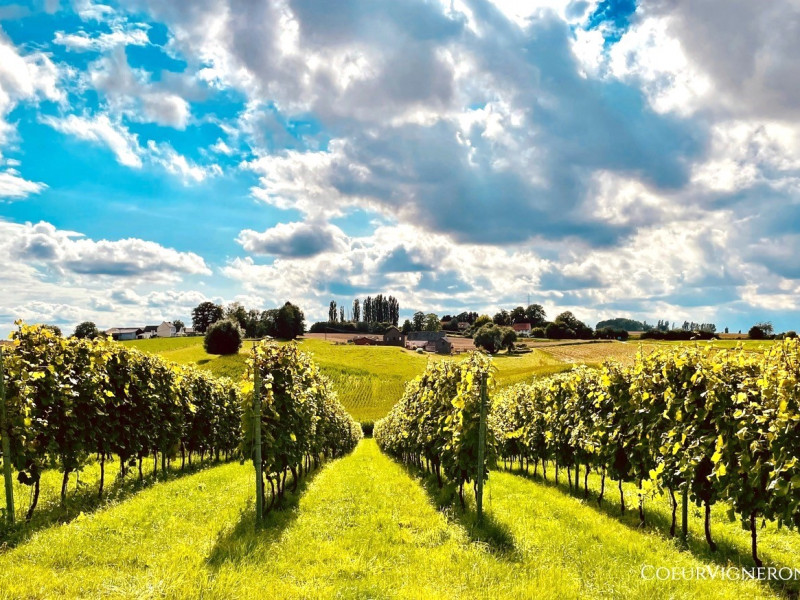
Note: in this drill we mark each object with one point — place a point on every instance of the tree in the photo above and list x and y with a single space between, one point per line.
205 314
518 315
418 320
407 327
86 330
481 321
432 323
490 338
760 331
341 314
509 338
356 311
223 337
535 315
178 324
289 322
236 312
502 318
573 326
332 312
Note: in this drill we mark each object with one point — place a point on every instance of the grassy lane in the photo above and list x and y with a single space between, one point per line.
365 529
360 527
152 545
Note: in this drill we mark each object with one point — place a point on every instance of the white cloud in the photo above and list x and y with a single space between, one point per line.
177 164
120 35
23 78
12 186
100 129
131 93
67 253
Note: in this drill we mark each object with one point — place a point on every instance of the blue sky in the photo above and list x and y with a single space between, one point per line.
613 158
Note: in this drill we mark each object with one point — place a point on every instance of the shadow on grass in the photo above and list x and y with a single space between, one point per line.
491 532
86 500
726 554
203 361
236 544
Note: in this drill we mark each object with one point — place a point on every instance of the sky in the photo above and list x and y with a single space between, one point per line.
612 158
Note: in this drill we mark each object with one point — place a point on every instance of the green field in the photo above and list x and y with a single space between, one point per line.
361 527
368 379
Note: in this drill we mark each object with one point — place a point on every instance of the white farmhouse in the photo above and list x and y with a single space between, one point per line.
166 330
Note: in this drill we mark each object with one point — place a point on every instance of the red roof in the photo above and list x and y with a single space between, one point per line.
521 326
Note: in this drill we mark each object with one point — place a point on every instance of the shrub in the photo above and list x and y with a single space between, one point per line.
490 338
223 337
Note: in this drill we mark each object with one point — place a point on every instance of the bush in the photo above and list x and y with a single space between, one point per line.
223 337
538 332
490 338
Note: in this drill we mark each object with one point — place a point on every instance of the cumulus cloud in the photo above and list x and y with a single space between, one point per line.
293 240
68 252
131 93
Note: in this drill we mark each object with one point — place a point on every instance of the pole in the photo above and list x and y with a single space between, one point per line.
257 443
5 431
481 457
685 514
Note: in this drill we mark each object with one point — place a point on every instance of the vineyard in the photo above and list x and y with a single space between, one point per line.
583 472
721 426
70 402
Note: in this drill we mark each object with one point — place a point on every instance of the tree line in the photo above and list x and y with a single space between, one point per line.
286 322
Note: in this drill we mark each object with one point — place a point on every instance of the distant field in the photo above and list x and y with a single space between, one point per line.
371 379
190 351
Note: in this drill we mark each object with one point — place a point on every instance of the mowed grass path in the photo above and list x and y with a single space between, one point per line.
363 528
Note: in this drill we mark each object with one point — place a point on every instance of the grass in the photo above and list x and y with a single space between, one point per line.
82 494
362 527
776 547
190 351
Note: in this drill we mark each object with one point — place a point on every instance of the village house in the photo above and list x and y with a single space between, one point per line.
394 337
166 330
522 329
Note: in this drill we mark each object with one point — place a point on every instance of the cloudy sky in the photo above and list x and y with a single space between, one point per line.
613 158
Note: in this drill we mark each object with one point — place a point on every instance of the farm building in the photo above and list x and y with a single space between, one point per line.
166 330
426 336
439 346
150 331
187 331
522 329
120 334
393 337
414 344
363 340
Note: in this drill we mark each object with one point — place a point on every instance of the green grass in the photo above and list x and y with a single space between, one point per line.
190 351
362 528
82 494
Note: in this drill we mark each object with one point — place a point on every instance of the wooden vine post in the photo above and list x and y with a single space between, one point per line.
257 441
685 514
481 450
5 432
